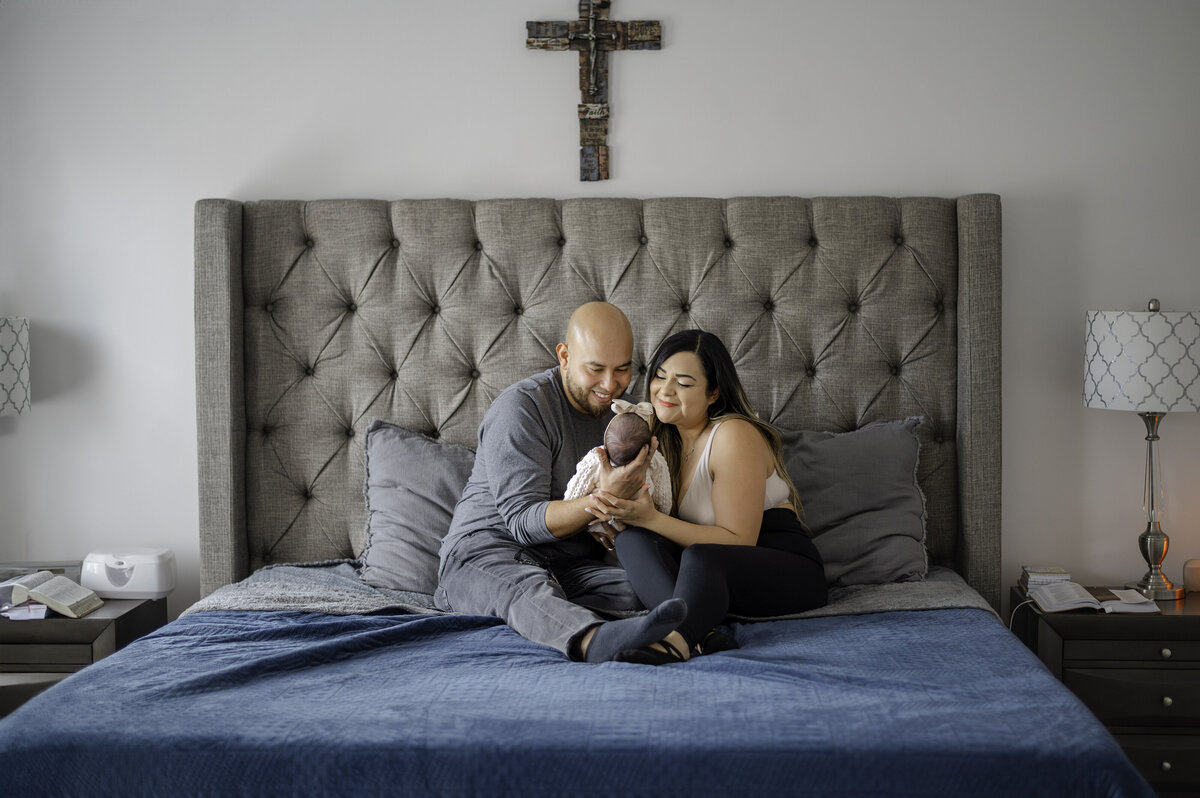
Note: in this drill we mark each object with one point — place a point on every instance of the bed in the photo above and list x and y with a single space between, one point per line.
866 328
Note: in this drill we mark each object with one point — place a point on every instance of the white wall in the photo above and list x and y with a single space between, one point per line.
116 116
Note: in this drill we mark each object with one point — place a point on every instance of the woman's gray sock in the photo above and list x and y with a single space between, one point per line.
613 637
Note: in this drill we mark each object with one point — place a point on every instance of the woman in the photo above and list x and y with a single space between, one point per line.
735 542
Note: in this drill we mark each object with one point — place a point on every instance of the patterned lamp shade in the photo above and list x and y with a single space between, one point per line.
1146 361
14 366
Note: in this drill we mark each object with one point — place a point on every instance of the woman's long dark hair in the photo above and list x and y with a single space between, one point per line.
732 402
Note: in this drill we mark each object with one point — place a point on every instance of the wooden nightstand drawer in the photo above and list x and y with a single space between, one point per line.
1168 762
1186 651
17 688
66 657
47 657
1138 696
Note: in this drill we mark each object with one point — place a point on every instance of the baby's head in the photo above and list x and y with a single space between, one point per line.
624 437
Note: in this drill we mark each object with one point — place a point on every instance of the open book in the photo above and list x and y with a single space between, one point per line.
57 592
1062 596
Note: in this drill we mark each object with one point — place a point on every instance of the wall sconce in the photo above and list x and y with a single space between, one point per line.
1148 362
14 366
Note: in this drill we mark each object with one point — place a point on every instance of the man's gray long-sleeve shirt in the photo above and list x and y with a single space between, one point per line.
530 441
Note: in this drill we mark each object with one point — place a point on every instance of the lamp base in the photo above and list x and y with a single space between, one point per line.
1167 592
1153 542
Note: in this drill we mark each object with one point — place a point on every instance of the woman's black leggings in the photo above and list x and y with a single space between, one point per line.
780 576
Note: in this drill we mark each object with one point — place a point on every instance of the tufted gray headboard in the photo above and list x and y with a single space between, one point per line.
314 317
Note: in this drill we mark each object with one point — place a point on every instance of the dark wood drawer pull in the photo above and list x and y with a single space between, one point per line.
1167 701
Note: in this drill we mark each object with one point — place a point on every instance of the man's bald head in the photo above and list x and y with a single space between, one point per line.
596 359
598 321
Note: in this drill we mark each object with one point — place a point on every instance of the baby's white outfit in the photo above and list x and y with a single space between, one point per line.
658 475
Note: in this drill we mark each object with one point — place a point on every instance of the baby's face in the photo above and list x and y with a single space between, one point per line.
624 437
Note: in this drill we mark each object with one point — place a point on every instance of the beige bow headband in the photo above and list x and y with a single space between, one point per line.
643 409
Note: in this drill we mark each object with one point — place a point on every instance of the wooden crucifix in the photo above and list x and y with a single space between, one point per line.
593 35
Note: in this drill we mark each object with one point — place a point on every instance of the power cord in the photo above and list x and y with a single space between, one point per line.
1013 614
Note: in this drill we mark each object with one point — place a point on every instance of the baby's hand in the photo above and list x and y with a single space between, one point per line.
604 534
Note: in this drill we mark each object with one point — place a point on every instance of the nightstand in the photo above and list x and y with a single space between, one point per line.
1139 674
36 654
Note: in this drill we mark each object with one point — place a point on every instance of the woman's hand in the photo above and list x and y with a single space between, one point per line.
638 511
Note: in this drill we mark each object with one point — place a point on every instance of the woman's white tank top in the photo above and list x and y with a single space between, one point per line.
696 505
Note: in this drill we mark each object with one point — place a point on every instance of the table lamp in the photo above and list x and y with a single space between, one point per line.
14 366
1147 362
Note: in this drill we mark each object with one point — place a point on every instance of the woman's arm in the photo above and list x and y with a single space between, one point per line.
740 463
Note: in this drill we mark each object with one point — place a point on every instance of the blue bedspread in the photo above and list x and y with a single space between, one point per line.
930 703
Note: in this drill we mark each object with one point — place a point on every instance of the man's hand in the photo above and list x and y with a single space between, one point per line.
625 481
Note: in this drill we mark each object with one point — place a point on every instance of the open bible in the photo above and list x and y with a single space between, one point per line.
55 591
1062 596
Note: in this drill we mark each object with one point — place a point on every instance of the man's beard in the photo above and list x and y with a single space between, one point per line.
583 397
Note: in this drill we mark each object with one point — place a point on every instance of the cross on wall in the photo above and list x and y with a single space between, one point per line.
593 35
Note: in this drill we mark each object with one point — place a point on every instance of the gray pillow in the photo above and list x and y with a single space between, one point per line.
412 484
862 501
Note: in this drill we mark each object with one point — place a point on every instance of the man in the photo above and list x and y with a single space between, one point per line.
514 549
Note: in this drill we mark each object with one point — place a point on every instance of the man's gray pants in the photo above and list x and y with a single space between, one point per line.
548 597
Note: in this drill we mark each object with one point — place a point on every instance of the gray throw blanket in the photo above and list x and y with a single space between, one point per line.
334 588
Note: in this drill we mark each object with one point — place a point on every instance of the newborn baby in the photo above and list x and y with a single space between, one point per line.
624 438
